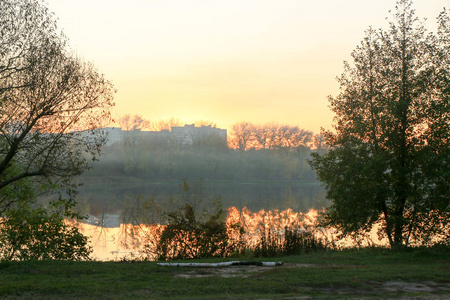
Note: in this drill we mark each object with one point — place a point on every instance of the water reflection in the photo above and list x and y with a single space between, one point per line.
111 197
128 241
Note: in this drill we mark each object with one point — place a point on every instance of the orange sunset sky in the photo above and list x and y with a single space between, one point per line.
225 60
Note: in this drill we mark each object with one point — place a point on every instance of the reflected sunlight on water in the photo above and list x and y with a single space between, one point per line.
128 240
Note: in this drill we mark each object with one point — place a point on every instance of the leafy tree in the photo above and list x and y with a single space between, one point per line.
50 104
389 160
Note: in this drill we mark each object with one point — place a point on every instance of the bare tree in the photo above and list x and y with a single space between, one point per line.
264 135
320 142
165 124
130 123
51 102
245 136
201 123
301 138
131 127
242 136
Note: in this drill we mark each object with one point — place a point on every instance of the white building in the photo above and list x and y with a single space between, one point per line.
184 135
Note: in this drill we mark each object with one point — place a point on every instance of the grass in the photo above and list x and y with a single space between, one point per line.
349 274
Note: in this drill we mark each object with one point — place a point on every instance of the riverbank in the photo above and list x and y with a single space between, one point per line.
349 274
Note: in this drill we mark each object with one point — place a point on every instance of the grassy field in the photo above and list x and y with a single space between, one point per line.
350 274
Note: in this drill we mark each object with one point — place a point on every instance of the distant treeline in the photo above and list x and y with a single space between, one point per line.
248 136
241 136
254 152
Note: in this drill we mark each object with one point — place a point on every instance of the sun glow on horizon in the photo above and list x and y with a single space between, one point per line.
225 61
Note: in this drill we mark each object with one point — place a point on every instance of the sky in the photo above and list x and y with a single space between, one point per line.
225 61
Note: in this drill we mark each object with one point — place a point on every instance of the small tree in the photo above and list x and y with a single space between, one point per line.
389 160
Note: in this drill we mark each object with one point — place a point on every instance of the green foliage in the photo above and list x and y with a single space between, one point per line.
296 241
17 192
194 234
390 147
292 241
185 237
38 233
30 230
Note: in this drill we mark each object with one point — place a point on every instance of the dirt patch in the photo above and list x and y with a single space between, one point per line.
231 271
427 289
421 287
244 271
420 290
328 266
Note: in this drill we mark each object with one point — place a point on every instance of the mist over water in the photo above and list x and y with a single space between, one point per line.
299 196
253 166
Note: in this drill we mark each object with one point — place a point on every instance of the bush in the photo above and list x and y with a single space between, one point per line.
291 241
37 233
185 237
197 229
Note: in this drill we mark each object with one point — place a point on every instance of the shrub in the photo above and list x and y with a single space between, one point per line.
37 233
